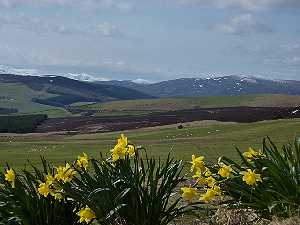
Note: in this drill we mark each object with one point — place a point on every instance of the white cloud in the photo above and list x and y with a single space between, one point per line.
84 4
108 30
291 47
104 29
244 24
244 4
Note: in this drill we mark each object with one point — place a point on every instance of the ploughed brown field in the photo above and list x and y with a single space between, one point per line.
86 124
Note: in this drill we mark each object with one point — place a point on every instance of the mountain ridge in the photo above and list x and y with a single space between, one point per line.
214 86
60 91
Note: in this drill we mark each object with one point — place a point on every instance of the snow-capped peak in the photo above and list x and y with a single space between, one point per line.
34 72
18 71
141 81
84 77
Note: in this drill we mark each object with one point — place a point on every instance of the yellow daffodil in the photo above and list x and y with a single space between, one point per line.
65 173
207 172
86 215
211 194
252 154
225 170
123 141
250 177
200 180
131 150
208 196
50 179
57 196
210 181
120 149
217 190
10 176
119 152
83 161
197 163
44 189
189 193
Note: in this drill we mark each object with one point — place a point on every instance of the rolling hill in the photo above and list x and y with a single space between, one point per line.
218 86
32 93
181 103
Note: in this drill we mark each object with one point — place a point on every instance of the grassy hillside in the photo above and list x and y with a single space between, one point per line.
195 102
207 138
68 91
19 96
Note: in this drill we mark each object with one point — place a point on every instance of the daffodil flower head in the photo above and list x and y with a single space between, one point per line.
197 175
10 176
197 163
131 150
121 149
224 171
65 173
210 181
208 196
57 195
211 193
44 189
189 193
207 172
123 141
82 161
250 177
217 190
86 215
252 154
50 179
119 152
200 180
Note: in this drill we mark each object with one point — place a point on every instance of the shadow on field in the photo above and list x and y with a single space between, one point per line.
89 124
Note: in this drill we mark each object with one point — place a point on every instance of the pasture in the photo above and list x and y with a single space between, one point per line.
169 104
209 138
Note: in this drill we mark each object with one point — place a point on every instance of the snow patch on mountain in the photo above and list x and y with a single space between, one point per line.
18 71
4 69
83 77
141 81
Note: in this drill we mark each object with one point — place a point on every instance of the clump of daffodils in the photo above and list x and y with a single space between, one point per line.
122 148
205 186
64 174
51 187
208 180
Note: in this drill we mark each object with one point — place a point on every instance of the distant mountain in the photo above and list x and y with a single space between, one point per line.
61 91
218 86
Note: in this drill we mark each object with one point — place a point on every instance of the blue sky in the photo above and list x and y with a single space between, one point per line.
152 39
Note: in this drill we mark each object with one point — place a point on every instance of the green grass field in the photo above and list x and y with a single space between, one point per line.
166 104
208 138
19 96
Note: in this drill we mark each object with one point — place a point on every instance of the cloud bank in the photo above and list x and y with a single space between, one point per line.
244 24
251 5
85 4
